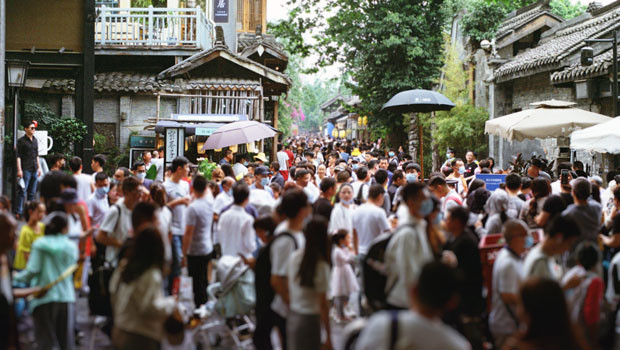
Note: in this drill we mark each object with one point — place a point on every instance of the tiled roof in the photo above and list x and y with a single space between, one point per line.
553 49
518 20
245 40
134 83
600 66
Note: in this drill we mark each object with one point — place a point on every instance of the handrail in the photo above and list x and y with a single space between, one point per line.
153 27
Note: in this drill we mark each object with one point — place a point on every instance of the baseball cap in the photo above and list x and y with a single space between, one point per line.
262 170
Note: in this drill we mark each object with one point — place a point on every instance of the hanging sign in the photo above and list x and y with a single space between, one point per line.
492 180
174 144
220 9
204 131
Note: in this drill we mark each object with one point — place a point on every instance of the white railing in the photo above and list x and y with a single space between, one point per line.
158 27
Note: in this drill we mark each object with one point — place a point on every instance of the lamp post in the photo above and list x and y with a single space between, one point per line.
16 79
587 58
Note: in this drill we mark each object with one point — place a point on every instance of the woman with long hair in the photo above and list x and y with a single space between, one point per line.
136 287
542 310
159 198
533 207
308 283
497 211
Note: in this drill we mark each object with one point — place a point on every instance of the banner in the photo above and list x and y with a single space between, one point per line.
492 180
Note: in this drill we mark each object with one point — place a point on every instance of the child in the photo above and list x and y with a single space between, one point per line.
33 230
343 281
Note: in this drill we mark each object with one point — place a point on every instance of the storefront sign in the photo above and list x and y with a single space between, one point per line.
220 9
142 141
492 180
204 131
174 144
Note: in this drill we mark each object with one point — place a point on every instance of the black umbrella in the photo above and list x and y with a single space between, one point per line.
418 101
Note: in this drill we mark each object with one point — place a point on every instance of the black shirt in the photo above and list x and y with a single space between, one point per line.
465 247
470 169
322 207
27 151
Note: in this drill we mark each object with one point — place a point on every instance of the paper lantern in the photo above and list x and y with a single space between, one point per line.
342 134
365 121
217 150
348 132
335 133
360 120
200 150
233 148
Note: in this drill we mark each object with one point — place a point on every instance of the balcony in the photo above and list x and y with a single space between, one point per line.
153 29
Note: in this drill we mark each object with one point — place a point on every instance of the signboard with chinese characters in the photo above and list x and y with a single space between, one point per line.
220 8
142 141
174 144
205 131
492 180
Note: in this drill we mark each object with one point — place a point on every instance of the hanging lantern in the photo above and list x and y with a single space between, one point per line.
360 120
342 134
348 133
233 148
217 150
335 133
365 121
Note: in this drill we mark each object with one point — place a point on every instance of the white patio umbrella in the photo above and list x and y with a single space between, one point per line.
238 133
601 138
549 119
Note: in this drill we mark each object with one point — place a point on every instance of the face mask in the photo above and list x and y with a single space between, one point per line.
349 202
114 181
356 166
141 176
391 154
412 177
102 191
245 163
437 219
529 242
230 192
264 182
426 208
448 155
462 170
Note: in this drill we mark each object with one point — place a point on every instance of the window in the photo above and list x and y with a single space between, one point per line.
249 15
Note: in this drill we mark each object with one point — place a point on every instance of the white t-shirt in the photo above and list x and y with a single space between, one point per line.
164 218
120 230
365 188
539 264
506 279
84 183
369 221
312 192
341 218
280 254
159 165
282 160
97 208
200 216
174 191
414 332
304 300
235 232
222 200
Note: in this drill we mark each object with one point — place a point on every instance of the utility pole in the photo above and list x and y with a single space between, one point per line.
2 89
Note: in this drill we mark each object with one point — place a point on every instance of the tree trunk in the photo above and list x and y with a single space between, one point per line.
414 137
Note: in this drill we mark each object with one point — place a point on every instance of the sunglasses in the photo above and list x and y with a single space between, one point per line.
32 127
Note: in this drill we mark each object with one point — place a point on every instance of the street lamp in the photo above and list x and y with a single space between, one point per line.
587 59
17 71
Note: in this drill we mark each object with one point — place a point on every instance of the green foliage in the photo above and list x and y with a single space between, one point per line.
65 131
482 19
114 157
205 168
567 9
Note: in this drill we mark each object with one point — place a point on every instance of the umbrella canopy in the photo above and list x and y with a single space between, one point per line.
549 119
601 138
421 101
238 133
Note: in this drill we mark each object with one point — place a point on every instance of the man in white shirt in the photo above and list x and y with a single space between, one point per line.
363 183
97 203
420 327
235 232
224 198
507 277
295 208
513 186
177 190
282 158
409 249
116 226
85 183
97 164
197 245
369 220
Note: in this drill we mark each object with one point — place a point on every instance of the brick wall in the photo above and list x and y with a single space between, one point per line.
538 88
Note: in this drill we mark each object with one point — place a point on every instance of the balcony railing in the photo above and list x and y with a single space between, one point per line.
153 27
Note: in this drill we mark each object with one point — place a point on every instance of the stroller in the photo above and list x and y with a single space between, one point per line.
231 301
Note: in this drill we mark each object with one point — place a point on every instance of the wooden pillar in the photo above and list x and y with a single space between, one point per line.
264 16
274 148
84 89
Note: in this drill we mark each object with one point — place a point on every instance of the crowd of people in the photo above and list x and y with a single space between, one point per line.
336 232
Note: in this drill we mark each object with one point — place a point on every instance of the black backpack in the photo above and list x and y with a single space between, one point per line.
359 199
374 275
262 274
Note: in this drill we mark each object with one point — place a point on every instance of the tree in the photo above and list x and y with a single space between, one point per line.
567 9
385 46
64 131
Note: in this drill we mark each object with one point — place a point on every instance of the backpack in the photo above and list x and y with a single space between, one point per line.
359 199
262 274
374 276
